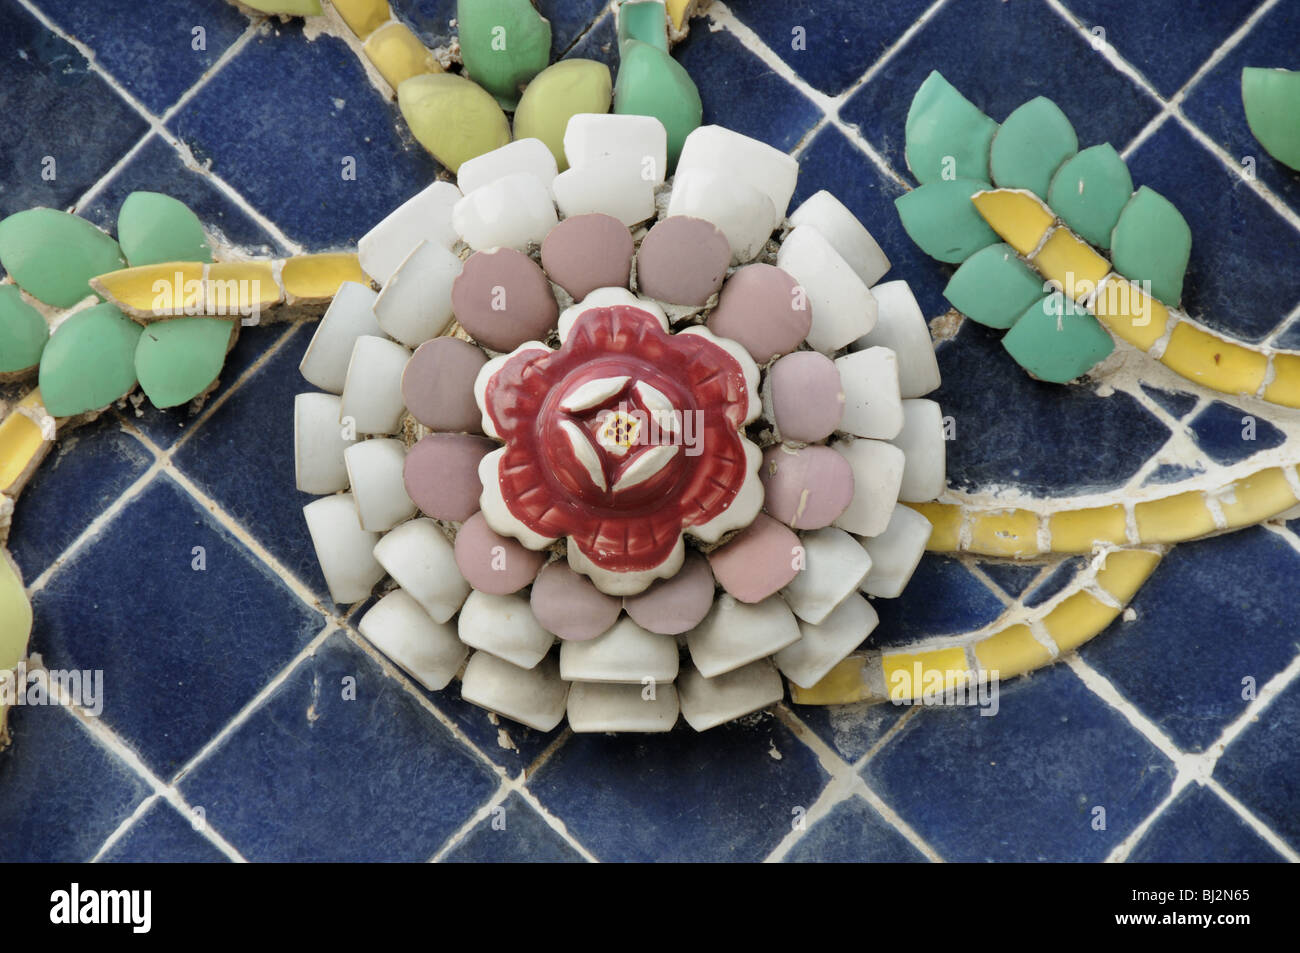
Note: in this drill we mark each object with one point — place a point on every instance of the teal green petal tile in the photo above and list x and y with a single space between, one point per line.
1151 242
1272 101
89 362
652 83
942 220
1057 341
153 228
53 255
646 21
947 135
179 359
23 332
994 287
1031 145
1090 190
504 44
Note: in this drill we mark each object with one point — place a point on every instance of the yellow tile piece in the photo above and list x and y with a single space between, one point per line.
1256 497
1200 356
847 683
1005 533
1019 217
1284 388
15 615
240 288
22 445
679 10
398 54
1077 531
362 16
317 277
1130 314
151 292
946 519
1174 518
911 675
1077 619
1012 651
1125 570
1070 263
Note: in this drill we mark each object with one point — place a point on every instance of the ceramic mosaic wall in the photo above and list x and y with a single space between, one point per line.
243 703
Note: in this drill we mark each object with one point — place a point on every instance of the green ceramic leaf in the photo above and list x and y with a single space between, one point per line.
1089 191
153 228
1031 145
89 362
652 83
643 20
53 255
1151 242
452 117
1272 101
1057 341
994 287
946 135
942 220
504 44
23 332
557 94
179 359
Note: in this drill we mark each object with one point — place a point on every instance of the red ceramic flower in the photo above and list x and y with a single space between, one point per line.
620 440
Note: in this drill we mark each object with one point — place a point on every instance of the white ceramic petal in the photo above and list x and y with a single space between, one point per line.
640 140
372 392
842 307
921 440
612 186
504 626
584 452
727 153
709 702
826 644
588 395
658 406
318 444
847 235
521 156
425 216
645 465
375 473
624 583
415 304
626 653
485 374
607 298
595 706
896 552
349 316
494 508
877 475
428 651
531 696
420 558
746 363
741 212
744 507
735 633
872 407
343 549
510 212
901 327
834 565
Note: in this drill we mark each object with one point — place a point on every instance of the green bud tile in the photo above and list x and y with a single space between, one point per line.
1151 242
1272 101
452 117
179 359
643 21
23 332
1055 340
53 255
942 220
153 228
1090 190
1031 145
947 135
652 83
504 44
89 362
994 287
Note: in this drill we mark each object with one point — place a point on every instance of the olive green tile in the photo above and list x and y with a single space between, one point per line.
557 94
452 117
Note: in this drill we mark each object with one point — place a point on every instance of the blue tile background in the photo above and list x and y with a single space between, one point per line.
212 695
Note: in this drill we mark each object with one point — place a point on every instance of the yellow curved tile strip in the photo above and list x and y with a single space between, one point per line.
1018 216
317 277
22 444
398 54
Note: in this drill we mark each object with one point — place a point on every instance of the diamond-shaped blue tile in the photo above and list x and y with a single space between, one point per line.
162 836
1057 580
853 833
966 603
1198 828
513 833
1176 403
1262 767
1229 435
1012 578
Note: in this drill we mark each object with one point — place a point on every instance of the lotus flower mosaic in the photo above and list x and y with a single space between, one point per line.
630 460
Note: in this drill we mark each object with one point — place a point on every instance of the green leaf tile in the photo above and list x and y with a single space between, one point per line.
947 136
1272 101
23 332
643 20
1089 191
994 287
89 362
1151 242
1031 145
942 220
153 228
1056 340
504 44
652 83
53 255
179 359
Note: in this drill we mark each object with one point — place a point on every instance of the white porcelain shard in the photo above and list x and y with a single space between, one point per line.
504 626
922 441
349 316
607 298
709 702
842 307
531 696
736 633
372 393
613 186
595 706
877 476
901 327
419 557
740 212
343 549
827 643
428 651
872 407
895 553
318 444
510 212
848 236
640 141
725 152
415 304
834 565
529 156
625 653
375 475
425 216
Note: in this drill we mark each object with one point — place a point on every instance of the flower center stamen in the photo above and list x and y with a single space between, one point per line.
619 431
